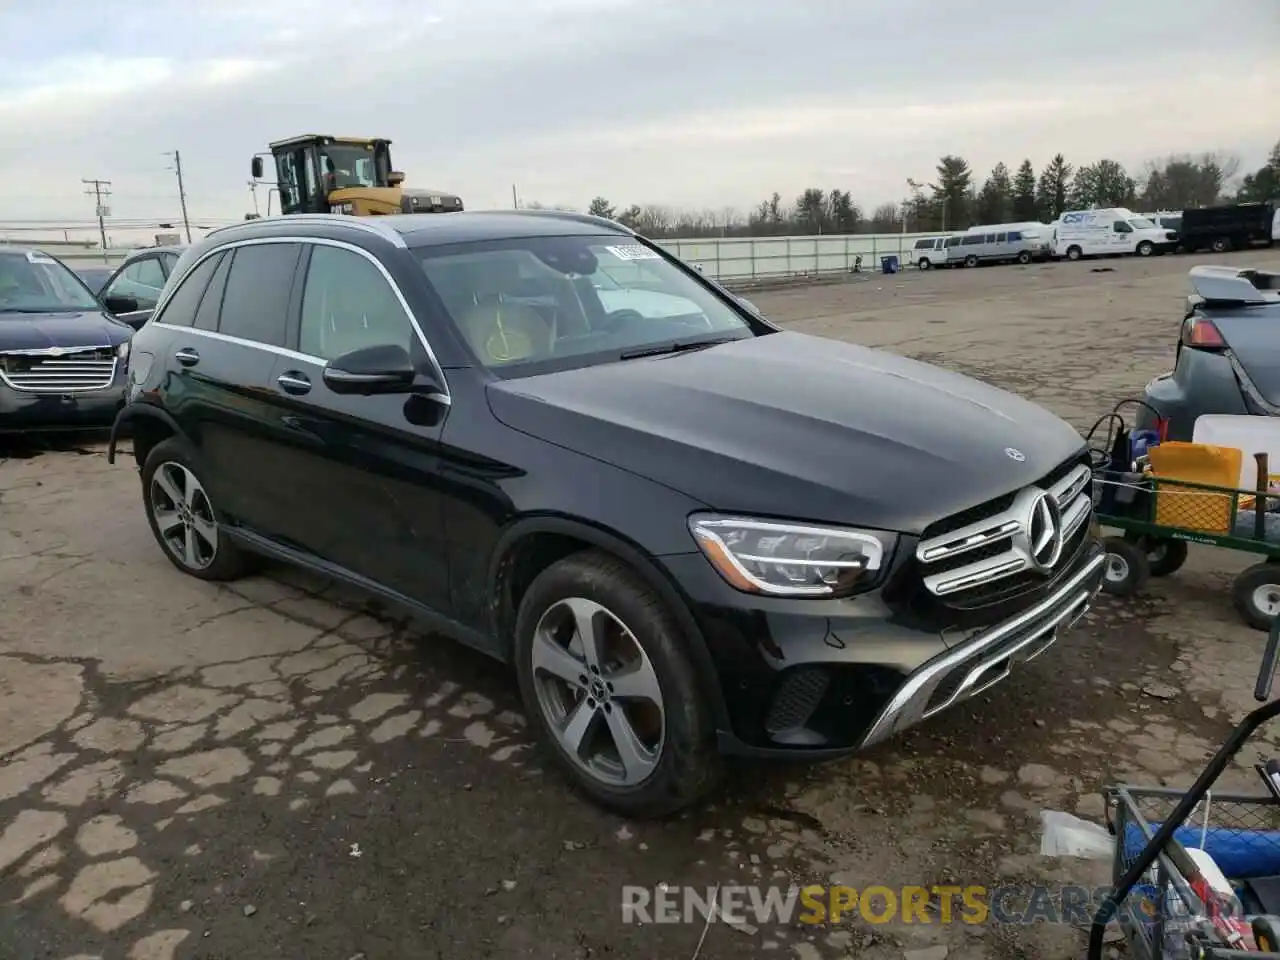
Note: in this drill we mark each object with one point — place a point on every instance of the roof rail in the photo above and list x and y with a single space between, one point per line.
1230 285
367 224
595 221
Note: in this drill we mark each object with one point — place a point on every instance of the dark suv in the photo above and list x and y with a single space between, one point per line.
690 532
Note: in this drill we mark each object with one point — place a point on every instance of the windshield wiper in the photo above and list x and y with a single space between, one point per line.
659 349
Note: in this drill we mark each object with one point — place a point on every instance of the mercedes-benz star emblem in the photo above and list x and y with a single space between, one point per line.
1044 532
1013 453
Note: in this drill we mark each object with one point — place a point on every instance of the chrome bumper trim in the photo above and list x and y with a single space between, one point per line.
1059 611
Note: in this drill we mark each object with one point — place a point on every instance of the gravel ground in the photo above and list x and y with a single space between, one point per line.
273 768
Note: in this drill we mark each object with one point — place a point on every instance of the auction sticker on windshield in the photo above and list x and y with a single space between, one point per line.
633 251
35 256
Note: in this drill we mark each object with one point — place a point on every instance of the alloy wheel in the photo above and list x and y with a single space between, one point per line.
598 691
184 516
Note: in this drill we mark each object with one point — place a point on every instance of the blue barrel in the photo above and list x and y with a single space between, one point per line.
889 264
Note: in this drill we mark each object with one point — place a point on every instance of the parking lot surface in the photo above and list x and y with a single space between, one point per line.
274 768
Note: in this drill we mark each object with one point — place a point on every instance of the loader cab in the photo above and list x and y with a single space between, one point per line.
311 168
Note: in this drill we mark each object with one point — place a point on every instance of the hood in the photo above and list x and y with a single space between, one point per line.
40 331
788 425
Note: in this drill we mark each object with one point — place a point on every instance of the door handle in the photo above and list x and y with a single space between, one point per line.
187 357
293 382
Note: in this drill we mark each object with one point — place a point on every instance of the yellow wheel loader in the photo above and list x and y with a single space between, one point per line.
316 173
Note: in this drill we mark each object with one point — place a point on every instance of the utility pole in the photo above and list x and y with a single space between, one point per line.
515 202
182 192
100 190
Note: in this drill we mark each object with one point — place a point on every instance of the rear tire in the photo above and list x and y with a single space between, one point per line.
1256 594
1126 569
971 261
183 518
670 759
1074 253
923 264
1220 245
1164 555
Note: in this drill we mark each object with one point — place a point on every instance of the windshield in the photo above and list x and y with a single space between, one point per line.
351 165
1141 223
540 303
36 283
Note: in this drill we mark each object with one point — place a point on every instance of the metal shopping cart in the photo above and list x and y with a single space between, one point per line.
1165 898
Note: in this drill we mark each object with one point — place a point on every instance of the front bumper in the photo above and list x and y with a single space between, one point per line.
821 679
983 661
38 412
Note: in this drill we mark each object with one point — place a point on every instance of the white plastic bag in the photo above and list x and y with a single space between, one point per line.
1066 835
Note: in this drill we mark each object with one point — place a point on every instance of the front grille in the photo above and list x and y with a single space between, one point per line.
988 553
77 371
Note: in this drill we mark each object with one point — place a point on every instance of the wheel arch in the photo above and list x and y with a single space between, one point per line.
147 425
530 545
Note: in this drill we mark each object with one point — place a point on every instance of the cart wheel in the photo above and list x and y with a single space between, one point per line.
1164 555
1256 593
1127 567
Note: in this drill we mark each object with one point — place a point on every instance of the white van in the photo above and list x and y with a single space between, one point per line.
929 252
1098 233
1001 243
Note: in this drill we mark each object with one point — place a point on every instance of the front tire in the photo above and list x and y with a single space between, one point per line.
183 518
1146 248
609 689
1024 257
1127 568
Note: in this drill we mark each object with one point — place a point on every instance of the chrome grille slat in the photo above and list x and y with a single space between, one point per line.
78 371
1006 539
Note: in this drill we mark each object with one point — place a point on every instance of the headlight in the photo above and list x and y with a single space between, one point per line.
122 351
789 559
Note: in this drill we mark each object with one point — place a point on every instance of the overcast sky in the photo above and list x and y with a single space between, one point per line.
682 102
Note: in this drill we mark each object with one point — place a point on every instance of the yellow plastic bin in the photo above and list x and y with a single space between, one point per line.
1202 463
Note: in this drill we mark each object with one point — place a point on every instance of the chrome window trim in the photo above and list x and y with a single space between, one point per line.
158 312
370 225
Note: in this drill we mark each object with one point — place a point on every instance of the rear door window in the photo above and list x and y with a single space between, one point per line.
181 308
255 304
924 244
207 314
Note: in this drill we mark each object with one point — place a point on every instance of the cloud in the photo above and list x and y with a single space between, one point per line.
686 102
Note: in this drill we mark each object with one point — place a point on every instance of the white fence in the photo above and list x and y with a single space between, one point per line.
730 260
744 259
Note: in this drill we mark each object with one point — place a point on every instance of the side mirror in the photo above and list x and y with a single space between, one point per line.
374 370
255 168
116 303
395 178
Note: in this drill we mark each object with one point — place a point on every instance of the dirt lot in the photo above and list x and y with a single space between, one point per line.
269 770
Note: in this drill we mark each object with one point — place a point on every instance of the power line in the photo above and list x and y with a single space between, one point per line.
100 190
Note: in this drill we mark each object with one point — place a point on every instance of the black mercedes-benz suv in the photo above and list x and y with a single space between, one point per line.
690 532
63 358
